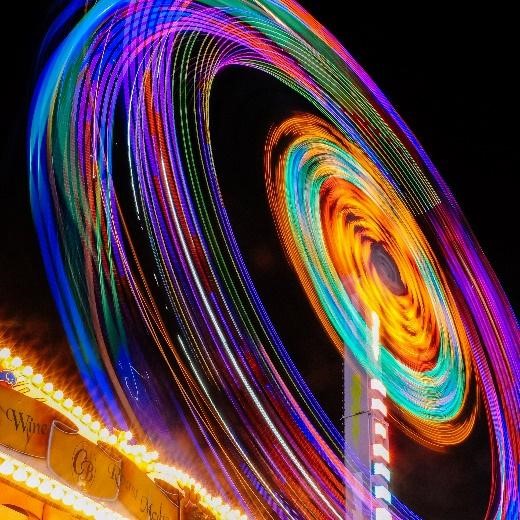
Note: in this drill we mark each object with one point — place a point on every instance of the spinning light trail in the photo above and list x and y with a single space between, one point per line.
359 250
156 299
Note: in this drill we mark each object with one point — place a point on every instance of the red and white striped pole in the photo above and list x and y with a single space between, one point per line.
379 452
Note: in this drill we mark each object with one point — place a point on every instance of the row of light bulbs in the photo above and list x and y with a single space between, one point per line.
95 431
58 493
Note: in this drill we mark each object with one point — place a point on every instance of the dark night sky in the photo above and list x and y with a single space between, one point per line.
449 76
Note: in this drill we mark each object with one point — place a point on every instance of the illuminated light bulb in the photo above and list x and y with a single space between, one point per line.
27 371
37 380
138 453
380 451
75 496
68 403
33 481
147 457
381 469
111 439
68 499
16 362
20 475
128 435
5 353
377 404
48 388
45 487
383 514
89 508
87 418
78 504
382 493
376 385
380 429
77 411
57 493
6 468
58 395
95 426
104 434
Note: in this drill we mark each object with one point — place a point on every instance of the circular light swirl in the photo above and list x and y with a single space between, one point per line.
156 299
358 249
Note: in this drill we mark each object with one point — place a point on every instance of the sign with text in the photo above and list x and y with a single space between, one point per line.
83 464
144 498
25 423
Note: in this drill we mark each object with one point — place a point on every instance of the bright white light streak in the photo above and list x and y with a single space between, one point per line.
378 386
382 469
380 451
375 336
377 404
383 514
380 430
382 492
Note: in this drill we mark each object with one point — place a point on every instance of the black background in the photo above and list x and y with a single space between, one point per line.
449 75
